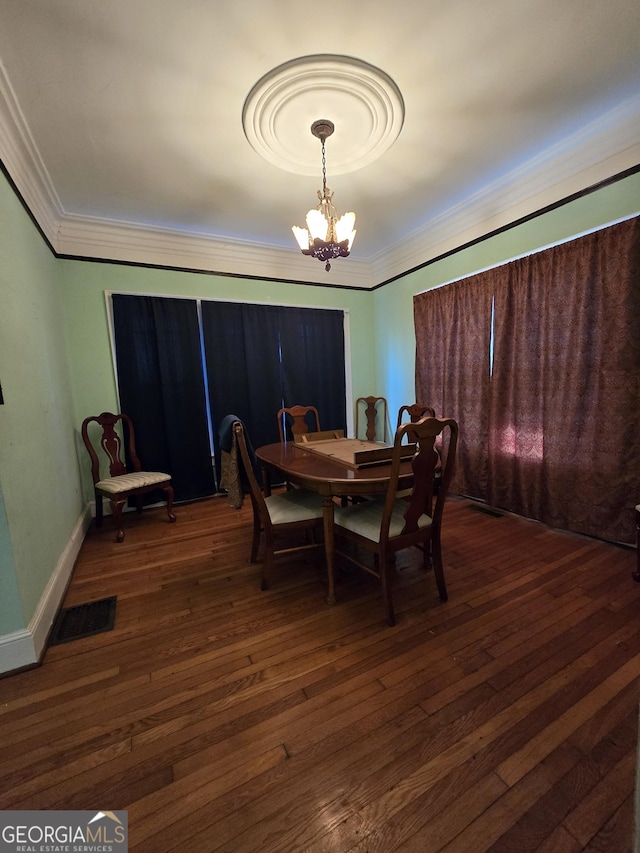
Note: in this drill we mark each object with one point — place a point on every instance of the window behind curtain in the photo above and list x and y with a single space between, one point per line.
243 365
263 357
161 387
558 427
258 358
453 337
313 362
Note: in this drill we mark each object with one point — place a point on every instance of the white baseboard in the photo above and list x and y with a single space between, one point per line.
24 648
17 651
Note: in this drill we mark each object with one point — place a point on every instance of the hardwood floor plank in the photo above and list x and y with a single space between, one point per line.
560 841
172 804
487 830
603 801
427 825
617 833
25 787
535 750
578 786
52 695
299 779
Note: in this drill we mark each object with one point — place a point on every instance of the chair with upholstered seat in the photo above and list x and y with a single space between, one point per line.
375 413
122 483
296 510
297 420
415 412
387 525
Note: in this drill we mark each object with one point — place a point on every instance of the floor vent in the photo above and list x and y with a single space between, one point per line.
84 620
486 510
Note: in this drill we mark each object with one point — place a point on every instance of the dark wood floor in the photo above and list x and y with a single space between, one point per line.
228 719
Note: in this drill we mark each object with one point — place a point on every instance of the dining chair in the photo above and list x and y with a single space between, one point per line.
295 420
386 525
295 510
375 409
415 412
116 433
230 473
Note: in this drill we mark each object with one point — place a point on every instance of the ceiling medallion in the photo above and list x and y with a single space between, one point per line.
363 102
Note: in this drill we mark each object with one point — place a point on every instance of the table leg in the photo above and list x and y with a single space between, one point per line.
327 512
266 481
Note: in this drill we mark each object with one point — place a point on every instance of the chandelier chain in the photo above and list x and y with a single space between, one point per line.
324 172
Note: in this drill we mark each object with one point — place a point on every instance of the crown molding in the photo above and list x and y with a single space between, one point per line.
606 147
22 161
139 244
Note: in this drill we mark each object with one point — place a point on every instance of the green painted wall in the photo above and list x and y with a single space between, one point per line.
393 303
11 618
38 463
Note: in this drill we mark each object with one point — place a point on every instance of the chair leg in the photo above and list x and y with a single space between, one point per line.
267 563
169 493
385 571
99 513
116 511
438 569
255 542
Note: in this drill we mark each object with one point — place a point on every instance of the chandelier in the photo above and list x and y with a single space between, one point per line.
326 237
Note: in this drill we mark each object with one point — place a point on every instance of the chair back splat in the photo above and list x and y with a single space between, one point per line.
374 408
295 420
415 412
385 526
296 510
122 483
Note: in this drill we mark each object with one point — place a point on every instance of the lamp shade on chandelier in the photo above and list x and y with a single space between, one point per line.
326 236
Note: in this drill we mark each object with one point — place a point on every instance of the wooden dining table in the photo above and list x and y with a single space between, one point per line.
330 478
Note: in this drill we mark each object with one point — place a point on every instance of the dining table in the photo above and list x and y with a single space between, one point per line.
331 477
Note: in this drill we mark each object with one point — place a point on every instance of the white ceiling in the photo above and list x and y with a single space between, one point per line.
121 124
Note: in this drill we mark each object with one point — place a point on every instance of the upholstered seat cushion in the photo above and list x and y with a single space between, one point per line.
134 480
296 505
365 518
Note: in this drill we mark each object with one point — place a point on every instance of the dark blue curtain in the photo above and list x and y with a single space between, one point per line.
161 385
263 357
242 352
258 358
312 346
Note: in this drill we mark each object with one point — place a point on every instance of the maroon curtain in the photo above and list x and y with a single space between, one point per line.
453 329
563 403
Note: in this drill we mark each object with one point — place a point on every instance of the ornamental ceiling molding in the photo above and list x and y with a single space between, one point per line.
363 102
